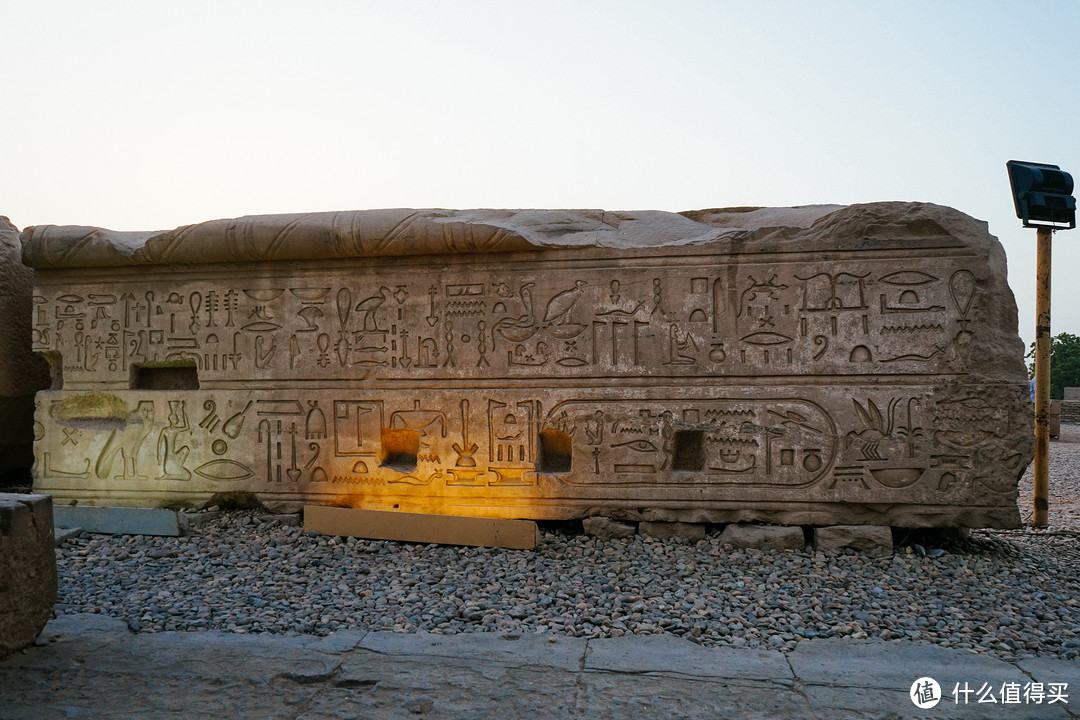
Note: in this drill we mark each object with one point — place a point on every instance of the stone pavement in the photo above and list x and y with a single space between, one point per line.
90 666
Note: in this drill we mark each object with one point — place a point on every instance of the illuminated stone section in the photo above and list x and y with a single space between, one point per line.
816 365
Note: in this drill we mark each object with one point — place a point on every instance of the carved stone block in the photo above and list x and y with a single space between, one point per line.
822 365
27 568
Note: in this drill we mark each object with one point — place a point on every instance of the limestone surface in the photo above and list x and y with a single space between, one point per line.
802 366
27 568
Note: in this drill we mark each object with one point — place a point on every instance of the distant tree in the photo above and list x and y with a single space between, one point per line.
1064 363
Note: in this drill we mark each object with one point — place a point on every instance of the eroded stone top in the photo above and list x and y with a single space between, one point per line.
369 233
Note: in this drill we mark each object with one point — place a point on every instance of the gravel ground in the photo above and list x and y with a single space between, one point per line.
1014 594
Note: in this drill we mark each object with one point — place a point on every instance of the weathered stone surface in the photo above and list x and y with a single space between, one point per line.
864 538
778 537
27 568
687 531
21 374
91 660
606 528
822 365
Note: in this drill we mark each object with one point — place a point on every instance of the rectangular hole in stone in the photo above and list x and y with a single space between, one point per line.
400 446
689 450
556 452
172 376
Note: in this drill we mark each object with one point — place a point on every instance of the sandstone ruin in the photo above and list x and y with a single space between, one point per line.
21 375
817 365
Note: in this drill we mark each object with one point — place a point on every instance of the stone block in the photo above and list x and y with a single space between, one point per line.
1054 418
822 365
1072 394
778 537
27 568
21 374
607 529
663 530
118 520
864 538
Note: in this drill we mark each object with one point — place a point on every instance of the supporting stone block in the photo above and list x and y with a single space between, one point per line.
663 530
422 528
778 537
864 538
27 568
606 529
118 520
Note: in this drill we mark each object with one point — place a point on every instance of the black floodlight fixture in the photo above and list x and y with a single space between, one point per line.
1042 195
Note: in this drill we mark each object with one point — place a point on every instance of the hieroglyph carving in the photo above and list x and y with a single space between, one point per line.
838 363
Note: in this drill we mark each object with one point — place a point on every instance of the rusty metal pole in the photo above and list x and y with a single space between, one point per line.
1042 378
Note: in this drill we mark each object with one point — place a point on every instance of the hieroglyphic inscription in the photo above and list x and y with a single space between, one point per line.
756 320
545 384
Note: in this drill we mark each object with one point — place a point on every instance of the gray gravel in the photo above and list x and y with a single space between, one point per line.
1014 594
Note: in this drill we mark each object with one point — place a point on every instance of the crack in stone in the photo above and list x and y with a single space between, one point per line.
575 710
798 686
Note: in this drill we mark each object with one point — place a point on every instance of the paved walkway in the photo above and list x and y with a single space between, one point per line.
93 667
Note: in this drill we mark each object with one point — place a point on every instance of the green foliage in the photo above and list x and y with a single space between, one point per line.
1064 363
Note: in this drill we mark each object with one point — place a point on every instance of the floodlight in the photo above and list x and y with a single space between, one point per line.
1042 195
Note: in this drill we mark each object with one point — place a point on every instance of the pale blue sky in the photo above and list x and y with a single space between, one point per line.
148 115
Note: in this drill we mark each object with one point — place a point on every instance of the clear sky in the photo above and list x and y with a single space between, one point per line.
147 115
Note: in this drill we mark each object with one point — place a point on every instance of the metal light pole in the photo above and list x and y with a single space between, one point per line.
1043 198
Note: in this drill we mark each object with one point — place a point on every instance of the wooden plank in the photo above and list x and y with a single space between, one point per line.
421 527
